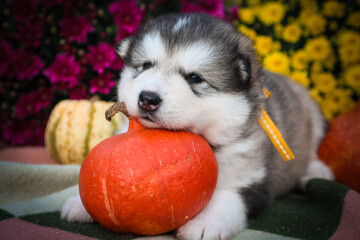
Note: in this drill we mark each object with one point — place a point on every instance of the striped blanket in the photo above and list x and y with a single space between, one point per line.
31 196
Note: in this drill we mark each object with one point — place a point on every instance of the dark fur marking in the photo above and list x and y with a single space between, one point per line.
257 198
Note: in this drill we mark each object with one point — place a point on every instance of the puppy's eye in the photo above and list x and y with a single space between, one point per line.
146 65
194 78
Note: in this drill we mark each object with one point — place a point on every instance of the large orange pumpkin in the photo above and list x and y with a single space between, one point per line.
341 148
147 181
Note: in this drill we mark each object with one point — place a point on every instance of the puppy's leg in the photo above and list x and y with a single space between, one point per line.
316 169
74 211
223 217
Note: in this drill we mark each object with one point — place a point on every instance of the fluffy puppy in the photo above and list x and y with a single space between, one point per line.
197 73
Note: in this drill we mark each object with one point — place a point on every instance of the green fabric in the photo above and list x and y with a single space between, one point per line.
37 192
21 182
52 219
314 216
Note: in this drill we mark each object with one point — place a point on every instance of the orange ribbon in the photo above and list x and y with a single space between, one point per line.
274 134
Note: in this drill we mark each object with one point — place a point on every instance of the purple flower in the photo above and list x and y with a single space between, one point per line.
6 54
102 84
79 92
50 3
127 15
23 10
24 131
214 8
16 132
32 103
75 29
118 64
64 70
25 106
24 65
30 34
122 33
101 56
233 13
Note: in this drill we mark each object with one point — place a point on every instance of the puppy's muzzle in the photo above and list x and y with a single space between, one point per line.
149 101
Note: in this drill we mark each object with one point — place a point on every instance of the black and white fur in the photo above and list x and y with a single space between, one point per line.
197 73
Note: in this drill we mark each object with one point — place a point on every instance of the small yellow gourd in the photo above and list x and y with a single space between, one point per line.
76 126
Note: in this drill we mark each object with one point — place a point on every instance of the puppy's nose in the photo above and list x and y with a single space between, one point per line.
149 101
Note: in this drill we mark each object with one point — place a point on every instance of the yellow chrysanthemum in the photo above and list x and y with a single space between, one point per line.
315 94
277 62
316 24
247 31
349 37
333 8
278 29
352 77
354 19
247 15
309 4
316 68
299 60
305 14
338 101
330 61
349 53
253 2
263 45
327 109
276 46
318 49
325 82
301 77
272 12
333 25
292 33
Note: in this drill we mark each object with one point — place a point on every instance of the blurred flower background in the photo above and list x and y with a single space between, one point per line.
57 49
316 43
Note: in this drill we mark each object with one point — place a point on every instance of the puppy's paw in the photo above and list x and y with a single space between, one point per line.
316 169
204 230
74 211
222 218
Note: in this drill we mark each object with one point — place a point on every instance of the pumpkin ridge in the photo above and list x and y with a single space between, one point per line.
54 150
89 129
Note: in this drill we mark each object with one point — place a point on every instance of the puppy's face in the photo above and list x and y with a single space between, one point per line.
186 72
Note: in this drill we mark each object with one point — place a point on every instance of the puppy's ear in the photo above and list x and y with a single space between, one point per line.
249 65
123 46
245 68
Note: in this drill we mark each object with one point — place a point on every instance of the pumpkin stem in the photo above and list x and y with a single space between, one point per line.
114 109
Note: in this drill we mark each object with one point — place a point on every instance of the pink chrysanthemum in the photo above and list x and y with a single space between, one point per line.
102 83
23 10
233 13
127 15
79 92
123 33
24 65
16 132
64 70
118 64
214 8
50 3
76 29
32 103
24 131
30 34
6 53
101 56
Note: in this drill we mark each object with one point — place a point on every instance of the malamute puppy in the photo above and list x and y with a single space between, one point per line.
197 73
